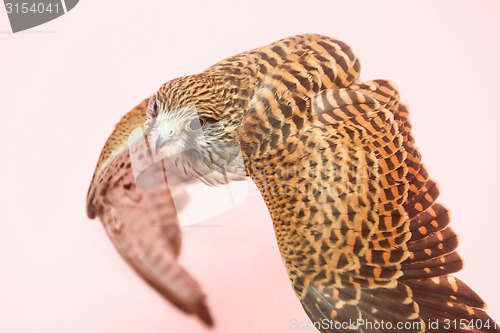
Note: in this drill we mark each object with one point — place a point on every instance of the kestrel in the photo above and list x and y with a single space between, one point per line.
366 246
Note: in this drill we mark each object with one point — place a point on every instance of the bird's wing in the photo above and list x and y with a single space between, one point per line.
140 219
356 220
352 205
432 245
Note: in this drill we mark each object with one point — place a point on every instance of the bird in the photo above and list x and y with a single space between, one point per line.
140 217
366 245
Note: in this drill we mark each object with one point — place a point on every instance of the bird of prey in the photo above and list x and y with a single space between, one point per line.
365 243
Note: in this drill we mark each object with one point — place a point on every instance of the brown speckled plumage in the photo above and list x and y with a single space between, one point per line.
353 208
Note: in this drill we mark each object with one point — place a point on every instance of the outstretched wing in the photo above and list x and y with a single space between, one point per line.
141 220
356 220
353 208
432 255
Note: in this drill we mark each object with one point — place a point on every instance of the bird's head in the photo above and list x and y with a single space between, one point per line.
191 121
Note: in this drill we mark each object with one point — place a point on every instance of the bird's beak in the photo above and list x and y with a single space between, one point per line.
162 140
166 135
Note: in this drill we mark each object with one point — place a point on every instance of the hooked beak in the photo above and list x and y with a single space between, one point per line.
165 136
162 140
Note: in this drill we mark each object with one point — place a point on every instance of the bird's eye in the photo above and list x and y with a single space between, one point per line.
196 124
153 107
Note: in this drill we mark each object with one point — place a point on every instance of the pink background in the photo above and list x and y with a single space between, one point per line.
65 84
